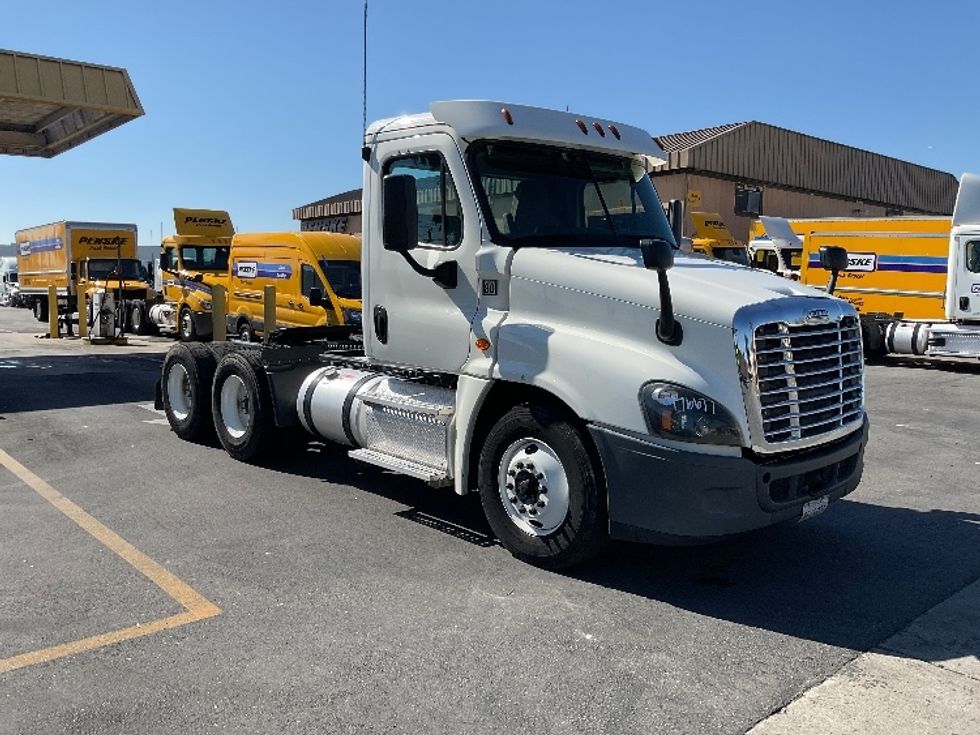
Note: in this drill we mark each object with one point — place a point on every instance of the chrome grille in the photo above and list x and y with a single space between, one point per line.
809 378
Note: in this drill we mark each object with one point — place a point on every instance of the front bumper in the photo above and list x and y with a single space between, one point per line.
663 495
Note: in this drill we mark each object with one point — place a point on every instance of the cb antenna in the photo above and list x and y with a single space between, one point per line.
364 77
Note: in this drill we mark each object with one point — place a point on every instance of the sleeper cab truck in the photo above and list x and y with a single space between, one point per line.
192 261
523 341
914 280
83 258
296 263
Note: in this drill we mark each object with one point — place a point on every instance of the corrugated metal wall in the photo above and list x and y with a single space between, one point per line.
757 152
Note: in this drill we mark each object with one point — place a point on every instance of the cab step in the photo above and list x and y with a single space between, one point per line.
435 476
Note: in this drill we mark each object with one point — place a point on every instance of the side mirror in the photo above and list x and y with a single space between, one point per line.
833 259
74 270
165 260
316 297
658 255
400 228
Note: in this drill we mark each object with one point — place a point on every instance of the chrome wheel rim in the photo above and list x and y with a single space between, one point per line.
179 392
236 409
533 487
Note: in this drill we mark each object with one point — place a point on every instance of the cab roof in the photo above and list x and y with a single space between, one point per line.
323 244
476 119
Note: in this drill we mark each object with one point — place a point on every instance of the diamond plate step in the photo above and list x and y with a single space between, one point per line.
435 476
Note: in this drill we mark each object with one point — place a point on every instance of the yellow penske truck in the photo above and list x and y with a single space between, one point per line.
713 238
914 280
96 259
295 263
562 359
191 262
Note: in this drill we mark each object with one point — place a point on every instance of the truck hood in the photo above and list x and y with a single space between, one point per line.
701 288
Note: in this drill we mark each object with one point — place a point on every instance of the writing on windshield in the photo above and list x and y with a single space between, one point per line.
541 195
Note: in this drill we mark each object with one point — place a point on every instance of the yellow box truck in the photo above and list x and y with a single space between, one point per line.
83 258
295 263
191 263
914 280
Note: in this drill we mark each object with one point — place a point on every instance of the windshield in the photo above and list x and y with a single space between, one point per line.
540 195
733 255
792 257
101 268
204 257
344 277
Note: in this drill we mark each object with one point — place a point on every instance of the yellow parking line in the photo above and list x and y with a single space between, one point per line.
196 605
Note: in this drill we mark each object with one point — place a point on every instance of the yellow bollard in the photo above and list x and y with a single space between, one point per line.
268 312
53 312
83 315
219 330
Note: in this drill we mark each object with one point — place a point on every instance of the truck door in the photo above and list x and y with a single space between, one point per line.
965 285
408 318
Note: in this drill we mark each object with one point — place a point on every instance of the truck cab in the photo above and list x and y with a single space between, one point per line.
713 238
9 285
192 262
777 249
532 333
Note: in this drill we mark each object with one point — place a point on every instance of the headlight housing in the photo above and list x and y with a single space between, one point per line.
679 413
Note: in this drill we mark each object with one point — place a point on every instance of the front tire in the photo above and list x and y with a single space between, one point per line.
137 319
41 310
242 407
541 490
188 332
188 370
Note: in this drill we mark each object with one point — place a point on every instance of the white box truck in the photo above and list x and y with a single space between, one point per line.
531 334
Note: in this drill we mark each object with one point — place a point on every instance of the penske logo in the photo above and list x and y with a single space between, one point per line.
205 221
861 261
117 240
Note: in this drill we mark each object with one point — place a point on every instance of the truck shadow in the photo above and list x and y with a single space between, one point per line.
921 363
49 382
849 578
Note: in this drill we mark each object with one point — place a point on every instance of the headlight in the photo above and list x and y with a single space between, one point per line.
352 316
206 305
682 414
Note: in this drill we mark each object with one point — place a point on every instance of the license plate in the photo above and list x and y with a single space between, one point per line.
814 507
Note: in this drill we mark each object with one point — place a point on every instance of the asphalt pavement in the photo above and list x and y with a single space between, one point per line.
347 599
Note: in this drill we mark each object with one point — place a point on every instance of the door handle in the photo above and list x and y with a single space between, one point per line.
381 324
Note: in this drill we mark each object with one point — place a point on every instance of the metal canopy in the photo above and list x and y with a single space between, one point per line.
48 106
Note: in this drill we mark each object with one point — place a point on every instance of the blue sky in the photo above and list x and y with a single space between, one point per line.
256 107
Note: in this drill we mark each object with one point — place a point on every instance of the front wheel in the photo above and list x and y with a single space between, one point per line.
541 491
188 332
41 310
137 319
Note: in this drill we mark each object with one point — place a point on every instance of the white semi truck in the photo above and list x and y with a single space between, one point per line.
531 334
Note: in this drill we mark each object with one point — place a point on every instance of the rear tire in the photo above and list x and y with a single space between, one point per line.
242 407
188 370
541 490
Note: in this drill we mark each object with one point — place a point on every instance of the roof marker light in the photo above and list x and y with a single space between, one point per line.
582 127
614 130
506 113
599 130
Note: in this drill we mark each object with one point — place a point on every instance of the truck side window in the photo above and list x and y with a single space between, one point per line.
440 219
973 256
310 280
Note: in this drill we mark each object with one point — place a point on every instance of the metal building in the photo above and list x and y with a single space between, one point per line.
745 169
742 170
